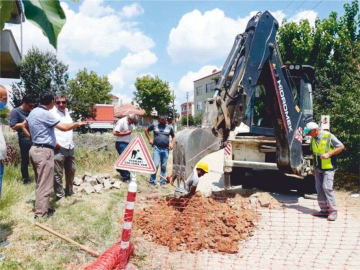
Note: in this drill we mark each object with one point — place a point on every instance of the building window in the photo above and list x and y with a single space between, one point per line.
210 87
198 106
198 90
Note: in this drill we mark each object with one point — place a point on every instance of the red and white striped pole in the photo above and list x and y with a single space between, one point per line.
126 247
119 254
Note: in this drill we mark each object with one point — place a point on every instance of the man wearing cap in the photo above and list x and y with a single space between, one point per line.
188 189
122 133
161 146
325 147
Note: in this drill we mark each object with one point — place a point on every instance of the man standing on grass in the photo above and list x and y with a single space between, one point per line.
161 146
17 116
122 133
41 123
3 101
64 155
325 147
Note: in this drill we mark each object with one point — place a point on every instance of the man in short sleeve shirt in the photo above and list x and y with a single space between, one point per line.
325 147
122 133
161 146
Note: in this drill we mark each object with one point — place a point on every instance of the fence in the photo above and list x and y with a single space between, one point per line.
237 233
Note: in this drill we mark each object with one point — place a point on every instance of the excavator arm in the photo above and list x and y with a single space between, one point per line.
254 60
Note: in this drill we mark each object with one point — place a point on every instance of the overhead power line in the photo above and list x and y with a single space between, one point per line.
297 8
313 9
287 6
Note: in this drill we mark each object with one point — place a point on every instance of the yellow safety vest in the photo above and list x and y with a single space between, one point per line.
323 147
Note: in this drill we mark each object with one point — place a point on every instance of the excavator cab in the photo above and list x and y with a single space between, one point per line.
300 80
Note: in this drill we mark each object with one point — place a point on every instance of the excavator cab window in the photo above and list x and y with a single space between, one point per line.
261 111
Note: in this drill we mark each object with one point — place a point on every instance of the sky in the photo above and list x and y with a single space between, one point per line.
179 41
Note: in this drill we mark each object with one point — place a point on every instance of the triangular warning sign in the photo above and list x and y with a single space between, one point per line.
136 157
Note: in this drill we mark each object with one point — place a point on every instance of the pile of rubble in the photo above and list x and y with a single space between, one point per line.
95 183
202 223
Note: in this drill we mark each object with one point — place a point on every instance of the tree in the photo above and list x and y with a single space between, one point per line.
86 90
40 72
47 15
4 116
184 120
198 118
332 47
153 93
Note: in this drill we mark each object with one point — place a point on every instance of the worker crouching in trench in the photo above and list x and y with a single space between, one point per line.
184 191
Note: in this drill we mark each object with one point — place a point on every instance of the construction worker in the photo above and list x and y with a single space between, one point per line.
325 147
161 147
188 189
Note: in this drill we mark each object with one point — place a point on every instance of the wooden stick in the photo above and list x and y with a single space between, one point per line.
92 252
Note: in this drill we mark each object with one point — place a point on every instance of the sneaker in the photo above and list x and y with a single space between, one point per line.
48 214
152 185
332 216
320 214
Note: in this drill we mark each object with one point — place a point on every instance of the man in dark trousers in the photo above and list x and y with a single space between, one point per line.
161 146
17 116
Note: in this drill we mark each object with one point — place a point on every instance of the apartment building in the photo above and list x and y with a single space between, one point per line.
204 89
188 107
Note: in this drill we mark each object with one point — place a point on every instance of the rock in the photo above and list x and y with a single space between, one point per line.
92 181
107 184
106 176
117 185
113 180
100 180
264 203
98 188
253 201
86 174
89 190
77 181
255 195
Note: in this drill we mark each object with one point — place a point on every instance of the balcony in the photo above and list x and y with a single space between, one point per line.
10 56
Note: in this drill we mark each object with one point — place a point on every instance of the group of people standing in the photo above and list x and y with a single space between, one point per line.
46 140
161 144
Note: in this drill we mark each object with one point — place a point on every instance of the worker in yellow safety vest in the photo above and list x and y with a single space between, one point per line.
325 147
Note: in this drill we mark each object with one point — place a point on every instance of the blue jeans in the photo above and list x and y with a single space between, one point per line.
160 157
120 147
1 176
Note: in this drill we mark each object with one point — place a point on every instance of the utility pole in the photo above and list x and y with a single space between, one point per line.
187 109
174 116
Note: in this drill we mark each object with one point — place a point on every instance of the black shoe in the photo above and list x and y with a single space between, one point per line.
48 214
69 193
26 181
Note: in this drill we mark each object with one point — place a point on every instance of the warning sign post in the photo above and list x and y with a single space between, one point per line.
135 158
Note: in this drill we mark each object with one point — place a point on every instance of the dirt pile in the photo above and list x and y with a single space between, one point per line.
197 224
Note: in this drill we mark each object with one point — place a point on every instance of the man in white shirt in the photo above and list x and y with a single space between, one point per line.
64 155
122 133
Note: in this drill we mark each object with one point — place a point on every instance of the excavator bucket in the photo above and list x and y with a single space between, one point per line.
191 145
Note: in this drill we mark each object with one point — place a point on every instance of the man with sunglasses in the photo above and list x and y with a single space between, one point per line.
16 117
64 155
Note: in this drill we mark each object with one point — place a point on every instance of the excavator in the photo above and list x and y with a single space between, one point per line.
257 113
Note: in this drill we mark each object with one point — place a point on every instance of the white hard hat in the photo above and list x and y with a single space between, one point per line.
309 126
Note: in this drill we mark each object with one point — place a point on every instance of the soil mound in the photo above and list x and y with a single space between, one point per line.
197 224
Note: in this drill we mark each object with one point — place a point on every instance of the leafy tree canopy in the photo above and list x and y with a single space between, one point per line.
40 72
86 90
153 93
